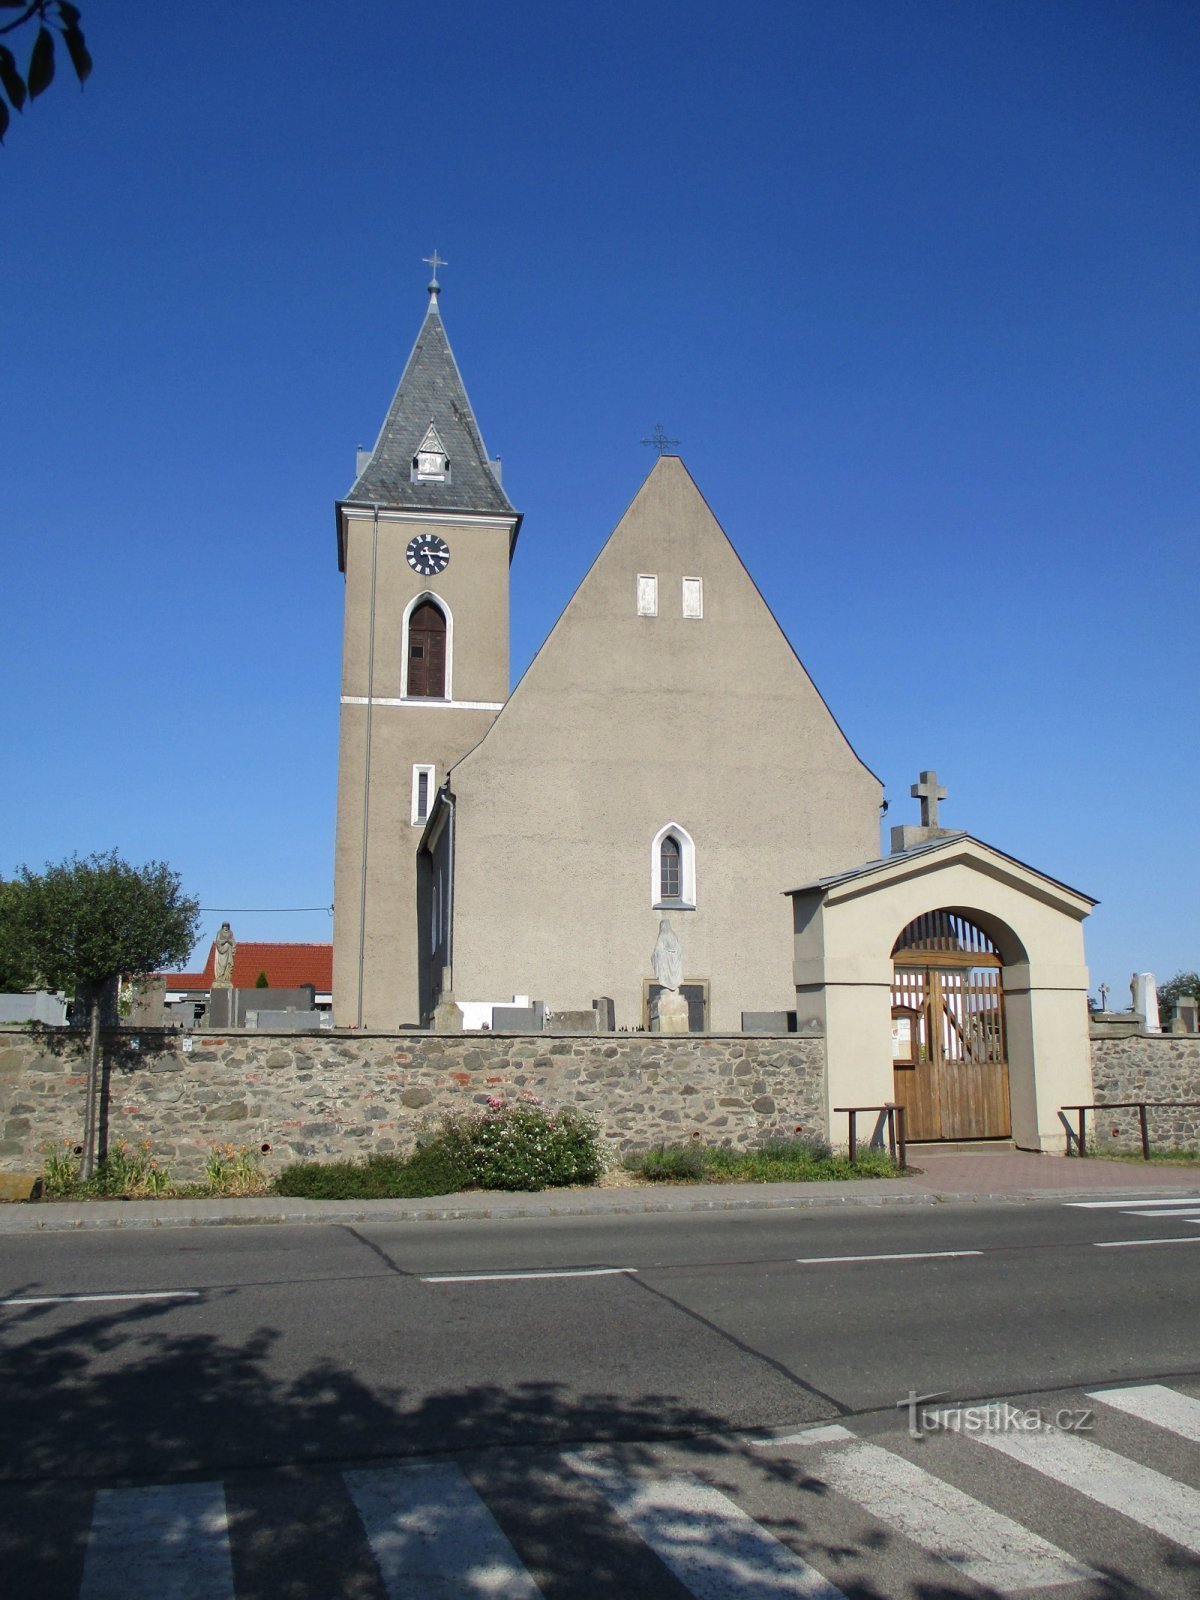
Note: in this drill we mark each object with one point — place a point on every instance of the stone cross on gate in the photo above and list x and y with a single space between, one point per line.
928 793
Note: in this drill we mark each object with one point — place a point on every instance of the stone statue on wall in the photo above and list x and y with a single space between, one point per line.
667 960
223 949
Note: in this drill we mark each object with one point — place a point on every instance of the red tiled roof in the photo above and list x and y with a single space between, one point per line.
287 966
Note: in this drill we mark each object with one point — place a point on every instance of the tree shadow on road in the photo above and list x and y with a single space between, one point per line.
117 1395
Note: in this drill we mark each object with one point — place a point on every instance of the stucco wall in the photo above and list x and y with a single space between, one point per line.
623 724
344 1096
1146 1067
473 591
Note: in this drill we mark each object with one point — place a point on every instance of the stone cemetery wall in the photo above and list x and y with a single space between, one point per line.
345 1095
1144 1066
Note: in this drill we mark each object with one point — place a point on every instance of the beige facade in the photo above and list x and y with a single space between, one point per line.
385 735
845 932
628 723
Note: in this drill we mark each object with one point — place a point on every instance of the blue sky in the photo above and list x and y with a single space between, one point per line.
914 285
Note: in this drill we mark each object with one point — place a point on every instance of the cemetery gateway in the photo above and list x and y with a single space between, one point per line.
665 765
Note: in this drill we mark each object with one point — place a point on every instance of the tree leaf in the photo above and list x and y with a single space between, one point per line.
69 13
3 121
41 63
10 79
80 59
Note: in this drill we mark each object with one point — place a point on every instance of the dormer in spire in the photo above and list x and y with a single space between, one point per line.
431 464
430 421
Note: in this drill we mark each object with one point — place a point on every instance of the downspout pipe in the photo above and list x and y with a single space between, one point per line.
362 880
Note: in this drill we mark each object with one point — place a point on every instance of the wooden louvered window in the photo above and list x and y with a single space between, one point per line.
427 652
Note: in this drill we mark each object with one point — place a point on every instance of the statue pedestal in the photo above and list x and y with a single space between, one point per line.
447 1017
669 1013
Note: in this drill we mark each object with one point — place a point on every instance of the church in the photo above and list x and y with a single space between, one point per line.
665 765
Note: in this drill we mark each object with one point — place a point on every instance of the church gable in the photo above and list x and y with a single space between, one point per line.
665 640
665 753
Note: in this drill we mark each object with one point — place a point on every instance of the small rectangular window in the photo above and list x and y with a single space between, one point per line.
693 597
422 794
647 594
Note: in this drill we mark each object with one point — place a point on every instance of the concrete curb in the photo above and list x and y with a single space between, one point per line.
97 1215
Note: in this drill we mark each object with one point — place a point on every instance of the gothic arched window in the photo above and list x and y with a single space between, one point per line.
426 664
673 868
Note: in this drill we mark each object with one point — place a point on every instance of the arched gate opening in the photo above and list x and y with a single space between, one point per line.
949 1051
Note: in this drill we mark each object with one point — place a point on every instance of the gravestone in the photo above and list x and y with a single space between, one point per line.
1145 1000
606 1014
1185 1014
768 1022
571 1021
519 1019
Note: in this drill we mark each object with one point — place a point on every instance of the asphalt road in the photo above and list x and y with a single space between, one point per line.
278 1360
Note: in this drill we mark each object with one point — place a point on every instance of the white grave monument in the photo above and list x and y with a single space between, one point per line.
1145 1000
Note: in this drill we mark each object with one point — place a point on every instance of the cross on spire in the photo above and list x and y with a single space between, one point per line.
435 261
928 793
659 439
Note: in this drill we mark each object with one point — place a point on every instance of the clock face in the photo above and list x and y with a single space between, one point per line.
427 554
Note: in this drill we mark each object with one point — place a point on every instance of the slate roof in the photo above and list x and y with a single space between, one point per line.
287 966
431 390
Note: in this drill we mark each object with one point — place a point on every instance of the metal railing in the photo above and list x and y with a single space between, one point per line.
1140 1106
897 1143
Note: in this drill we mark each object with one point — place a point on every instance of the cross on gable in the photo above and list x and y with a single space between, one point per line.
659 439
928 793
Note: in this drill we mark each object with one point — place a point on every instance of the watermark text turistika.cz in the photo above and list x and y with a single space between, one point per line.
926 1415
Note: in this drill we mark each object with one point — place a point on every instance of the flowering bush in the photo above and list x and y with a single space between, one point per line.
520 1144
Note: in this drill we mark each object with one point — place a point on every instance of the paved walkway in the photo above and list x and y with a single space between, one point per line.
1012 1175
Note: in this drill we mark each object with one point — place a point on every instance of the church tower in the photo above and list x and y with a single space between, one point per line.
425 538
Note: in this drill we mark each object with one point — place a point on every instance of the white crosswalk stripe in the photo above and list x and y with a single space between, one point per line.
708 1542
166 1542
981 1543
1154 1402
1137 1492
433 1536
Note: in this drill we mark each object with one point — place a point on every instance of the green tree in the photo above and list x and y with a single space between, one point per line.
1183 983
81 925
15 972
54 19
262 981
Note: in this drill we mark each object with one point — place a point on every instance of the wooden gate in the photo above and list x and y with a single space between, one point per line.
949 1061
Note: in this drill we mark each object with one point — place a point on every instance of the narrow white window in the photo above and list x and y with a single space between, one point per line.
693 597
422 794
647 594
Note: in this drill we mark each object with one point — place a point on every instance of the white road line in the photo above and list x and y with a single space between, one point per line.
83 1299
520 1277
909 1255
1104 1205
1175 1216
432 1536
708 1542
983 1544
833 1433
1137 1492
1124 1244
1154 1402
168 1542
